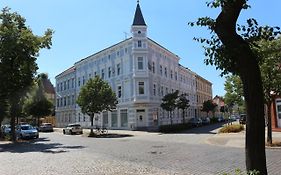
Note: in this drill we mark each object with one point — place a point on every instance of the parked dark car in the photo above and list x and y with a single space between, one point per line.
46 127
206 121
195 121
243 118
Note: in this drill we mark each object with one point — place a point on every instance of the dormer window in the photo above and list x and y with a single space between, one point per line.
139 32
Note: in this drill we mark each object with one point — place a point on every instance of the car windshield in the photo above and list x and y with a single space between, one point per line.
76 125
26 127
47 124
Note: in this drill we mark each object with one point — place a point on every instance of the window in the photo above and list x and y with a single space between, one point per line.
84 117
109 72
73 99
102 74
154 89
105 118
58 87
141 88
64 99
140 63
153 67
95 73
165 72
162 91
58 102
64 85
124 117
61 101
79 117
176 76
161 71
72 83
68 83
167 91
171 74
79 82
90 75
83 80
68 100
139 43
118 69
114 118
119 92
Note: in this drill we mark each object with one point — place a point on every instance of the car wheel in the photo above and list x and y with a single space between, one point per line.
63 131
70 132
37 137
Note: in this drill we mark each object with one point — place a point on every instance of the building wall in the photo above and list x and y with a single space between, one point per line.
203 93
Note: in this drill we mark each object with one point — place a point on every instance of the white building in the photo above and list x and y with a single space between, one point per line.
140 71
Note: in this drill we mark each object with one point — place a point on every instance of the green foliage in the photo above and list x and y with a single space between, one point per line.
182 102
96 96
19 49
37 104
208 106
239 172
234 91
224 58
169 101
231 128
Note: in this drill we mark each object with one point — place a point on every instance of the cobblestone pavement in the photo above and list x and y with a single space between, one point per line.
142 153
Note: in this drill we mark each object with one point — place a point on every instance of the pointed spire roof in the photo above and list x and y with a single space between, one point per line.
138 19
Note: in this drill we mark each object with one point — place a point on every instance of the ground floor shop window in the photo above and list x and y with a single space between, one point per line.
114 119
124 117
105 118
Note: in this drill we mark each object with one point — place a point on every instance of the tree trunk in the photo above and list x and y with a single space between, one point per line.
13 128
247 67
38 121
92 124
269 126
183 119
170 113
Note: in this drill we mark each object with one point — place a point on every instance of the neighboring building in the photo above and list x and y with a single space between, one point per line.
276 113
140 71
203 93
220 109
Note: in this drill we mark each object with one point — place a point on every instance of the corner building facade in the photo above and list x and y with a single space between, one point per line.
140 71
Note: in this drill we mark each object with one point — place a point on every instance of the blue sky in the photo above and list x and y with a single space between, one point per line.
85 27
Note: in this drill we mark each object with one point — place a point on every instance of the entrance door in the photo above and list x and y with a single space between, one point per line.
141 117
278 113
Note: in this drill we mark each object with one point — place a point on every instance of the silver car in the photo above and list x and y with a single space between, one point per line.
27 131
73 129
46 127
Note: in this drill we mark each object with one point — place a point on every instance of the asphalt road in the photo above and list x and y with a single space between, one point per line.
131 153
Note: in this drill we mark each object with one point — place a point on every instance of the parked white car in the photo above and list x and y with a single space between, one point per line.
73 129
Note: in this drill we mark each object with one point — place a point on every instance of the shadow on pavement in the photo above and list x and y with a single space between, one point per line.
111 136
205 129
38 145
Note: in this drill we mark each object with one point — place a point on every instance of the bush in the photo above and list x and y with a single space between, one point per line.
231 128
174 128
213 119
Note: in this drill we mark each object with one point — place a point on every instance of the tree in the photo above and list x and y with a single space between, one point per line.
182 103
232 53
208 106
234 91
270 59
169 103
37 103
96 96
19 49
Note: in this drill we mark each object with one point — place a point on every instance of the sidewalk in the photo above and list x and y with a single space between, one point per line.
236 140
